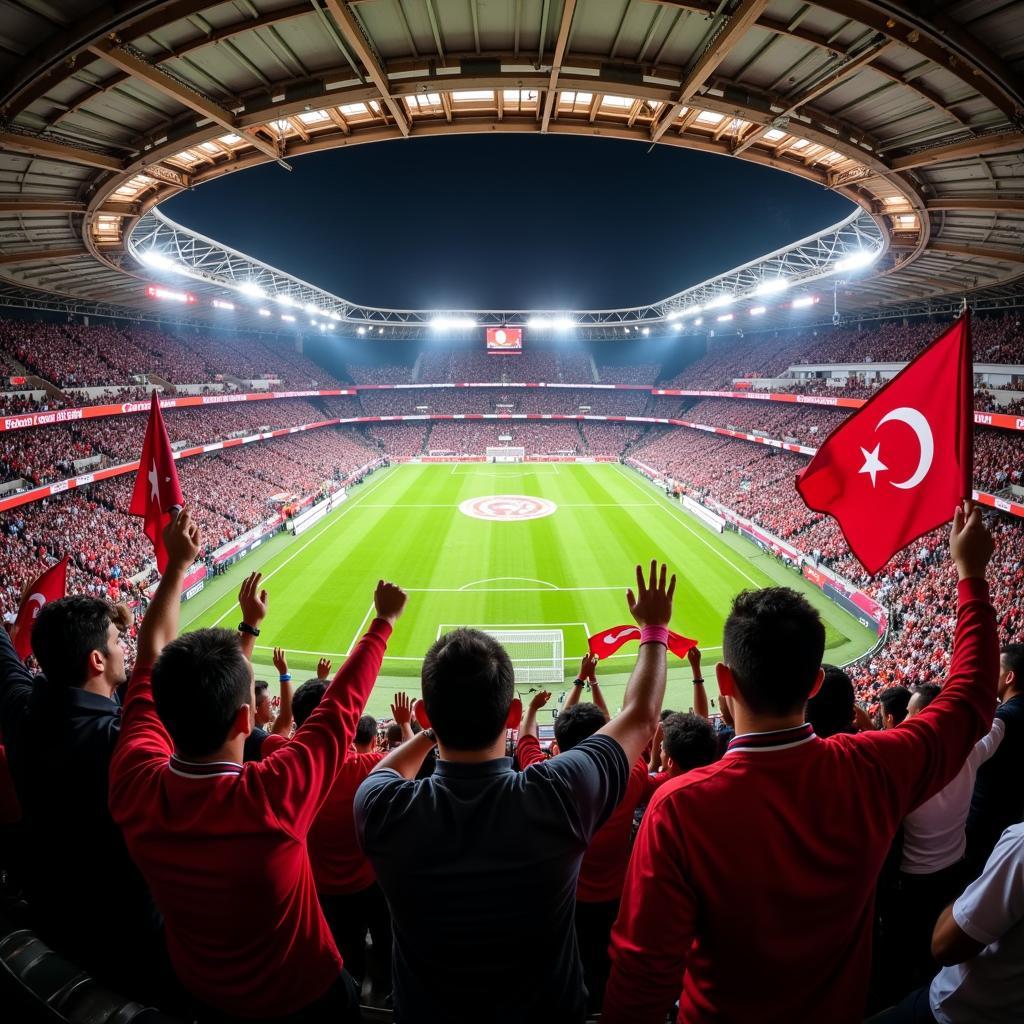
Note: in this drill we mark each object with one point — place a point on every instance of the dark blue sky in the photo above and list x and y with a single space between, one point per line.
510 220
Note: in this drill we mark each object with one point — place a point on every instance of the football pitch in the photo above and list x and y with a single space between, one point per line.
524 546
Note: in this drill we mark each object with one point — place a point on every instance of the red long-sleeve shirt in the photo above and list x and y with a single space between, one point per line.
752 879
223 846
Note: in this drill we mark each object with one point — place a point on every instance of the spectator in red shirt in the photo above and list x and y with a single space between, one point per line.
207 831
752 880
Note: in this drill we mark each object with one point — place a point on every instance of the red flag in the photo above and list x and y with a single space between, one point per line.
608 641
48 586
900 465
156 487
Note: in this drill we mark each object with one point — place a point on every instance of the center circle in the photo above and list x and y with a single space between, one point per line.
507 508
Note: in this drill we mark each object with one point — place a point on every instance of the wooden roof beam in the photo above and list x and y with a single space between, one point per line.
568 10
40 204
745 15
355 40
158 79
997 204
9 259
981 251
47 149
983 144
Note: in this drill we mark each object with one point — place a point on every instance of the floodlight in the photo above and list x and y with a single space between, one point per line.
362 330
720 300
856 259
252 289
310 308
675 314
157 259
771 285
805 300
645 330
312 323
222 304
724 317
698 321
677 326
691 311
757 310
538 323
563 323
264 312
284 300
288 318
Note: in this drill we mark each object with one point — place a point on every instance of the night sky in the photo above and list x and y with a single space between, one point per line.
511 220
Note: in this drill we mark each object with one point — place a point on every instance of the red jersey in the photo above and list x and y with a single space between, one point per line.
223 846
603 870
753 878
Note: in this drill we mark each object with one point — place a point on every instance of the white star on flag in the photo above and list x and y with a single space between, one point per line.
872 463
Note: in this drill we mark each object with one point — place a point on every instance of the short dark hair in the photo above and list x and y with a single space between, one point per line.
366 730
575 724
773 643
468 688
306 698
665 712
926 693
394 734
66 632
689 740
260 688
1013 653
200 681
830 710
894 701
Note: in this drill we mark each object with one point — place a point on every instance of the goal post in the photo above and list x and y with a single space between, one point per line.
506 454
537 654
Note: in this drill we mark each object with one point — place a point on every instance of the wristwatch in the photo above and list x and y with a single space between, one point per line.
244 627
698 682
580 682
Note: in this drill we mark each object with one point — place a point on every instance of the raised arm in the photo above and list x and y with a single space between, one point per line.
408 758
298 776
527 744
253 603
160 624
401 712
595 687
700 694
579 682
651 608
283 723
927 750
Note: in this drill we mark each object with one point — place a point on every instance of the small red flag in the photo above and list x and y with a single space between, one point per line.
157 490
902 463
608 641
48 586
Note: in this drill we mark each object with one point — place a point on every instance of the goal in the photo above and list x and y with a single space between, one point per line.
537 654
506 454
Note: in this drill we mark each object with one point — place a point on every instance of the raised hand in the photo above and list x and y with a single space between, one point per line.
182 540
323 668
693 657
280 661
970 542
401 709
389 600
539 700
652 603
588 667
252 600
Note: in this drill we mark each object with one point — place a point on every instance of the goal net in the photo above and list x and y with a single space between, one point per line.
506 454
537 654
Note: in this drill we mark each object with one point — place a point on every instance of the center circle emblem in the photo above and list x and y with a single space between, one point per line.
507 508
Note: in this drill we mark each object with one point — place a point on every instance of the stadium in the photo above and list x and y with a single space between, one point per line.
507 465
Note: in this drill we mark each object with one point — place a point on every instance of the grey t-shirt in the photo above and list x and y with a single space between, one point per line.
479 864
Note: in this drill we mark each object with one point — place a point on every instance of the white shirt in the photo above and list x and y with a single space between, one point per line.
933 834
989 988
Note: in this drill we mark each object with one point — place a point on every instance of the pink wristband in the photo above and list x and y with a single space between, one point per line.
654 635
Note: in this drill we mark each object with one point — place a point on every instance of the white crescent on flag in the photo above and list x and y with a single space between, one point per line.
919 425
615 637
33 598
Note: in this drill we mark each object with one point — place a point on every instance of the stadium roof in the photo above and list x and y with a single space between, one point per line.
107 110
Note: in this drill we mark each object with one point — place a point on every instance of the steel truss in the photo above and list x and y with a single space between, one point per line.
169 250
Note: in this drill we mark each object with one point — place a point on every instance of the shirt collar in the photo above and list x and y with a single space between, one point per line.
203 769
473 770
776 739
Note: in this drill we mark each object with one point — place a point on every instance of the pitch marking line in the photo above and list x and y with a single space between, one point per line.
359 631
504 625
407 657
683 522
606 504
295 554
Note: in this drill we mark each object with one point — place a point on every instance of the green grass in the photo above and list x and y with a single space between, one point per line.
568 571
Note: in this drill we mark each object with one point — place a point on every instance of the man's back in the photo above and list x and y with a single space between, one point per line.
479 865
766 861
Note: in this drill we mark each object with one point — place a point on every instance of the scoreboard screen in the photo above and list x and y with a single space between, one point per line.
504 341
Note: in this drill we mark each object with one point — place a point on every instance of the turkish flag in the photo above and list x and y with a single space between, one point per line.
902 463
608 641
49 586
157 490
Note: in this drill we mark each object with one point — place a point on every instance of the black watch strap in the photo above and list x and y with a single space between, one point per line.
244 627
